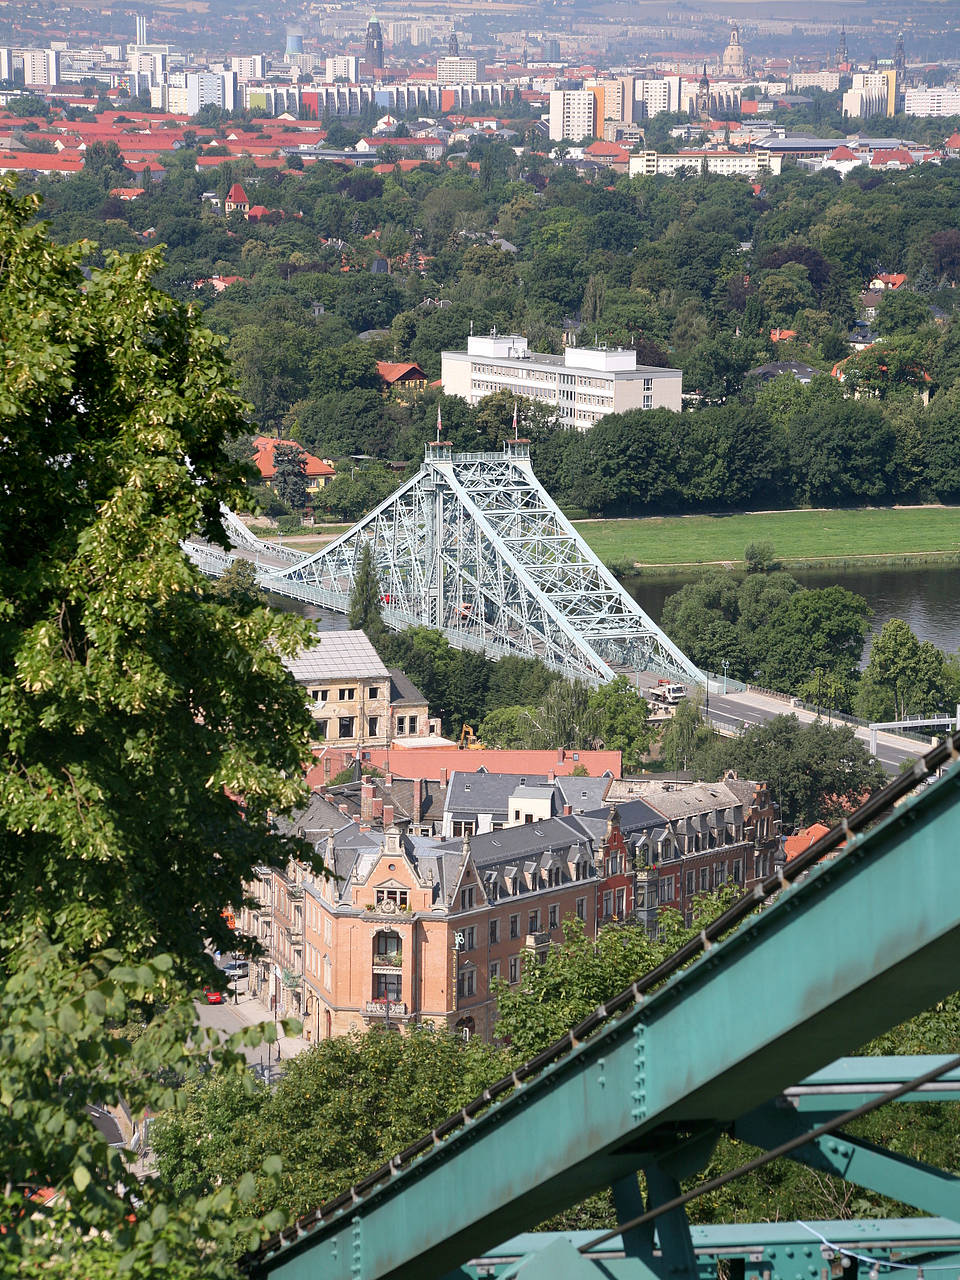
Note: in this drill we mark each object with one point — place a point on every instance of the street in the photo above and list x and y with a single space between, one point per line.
230 1017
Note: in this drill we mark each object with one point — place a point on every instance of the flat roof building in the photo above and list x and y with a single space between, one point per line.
585 383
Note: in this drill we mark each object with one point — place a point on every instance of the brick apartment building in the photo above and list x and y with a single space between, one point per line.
415 929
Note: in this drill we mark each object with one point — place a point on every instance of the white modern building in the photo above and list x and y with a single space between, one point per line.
828 81
941 100
342 66
573 114
649 164
585 383
40 66
251 66
452 69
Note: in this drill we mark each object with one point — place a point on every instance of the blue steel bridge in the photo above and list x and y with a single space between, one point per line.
743 1032
473 546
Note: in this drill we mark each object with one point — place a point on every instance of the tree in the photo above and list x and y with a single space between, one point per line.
290 476
685 732
623 721
237 585
339 1111
134 710
364 612
816 772
901 312
902 676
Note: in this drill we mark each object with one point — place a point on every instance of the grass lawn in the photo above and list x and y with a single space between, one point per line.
796 535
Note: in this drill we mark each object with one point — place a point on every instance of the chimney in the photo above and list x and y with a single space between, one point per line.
567 810
561 755
387 816
377 807
443 777
344 809
388 778
551 776
417 799
367 793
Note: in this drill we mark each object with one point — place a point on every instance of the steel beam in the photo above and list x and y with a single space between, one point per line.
865 941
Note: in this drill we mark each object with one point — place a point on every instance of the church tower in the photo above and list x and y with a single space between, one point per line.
842 56
453 45
734 62
702 105
374 49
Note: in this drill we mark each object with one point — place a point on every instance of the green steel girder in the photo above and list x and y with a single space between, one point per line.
865 941
850 1082
855 1160
771 1250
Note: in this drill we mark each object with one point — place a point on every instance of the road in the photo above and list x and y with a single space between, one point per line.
231 1017
732 710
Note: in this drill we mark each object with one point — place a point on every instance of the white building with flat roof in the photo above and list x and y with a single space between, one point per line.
453 69
573 114
585 383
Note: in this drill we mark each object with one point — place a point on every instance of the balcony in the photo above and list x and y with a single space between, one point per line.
295 892
389 961
385 1008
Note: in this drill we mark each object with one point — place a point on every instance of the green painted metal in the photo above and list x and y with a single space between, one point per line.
779 1250
850 1082
855 1160
865 941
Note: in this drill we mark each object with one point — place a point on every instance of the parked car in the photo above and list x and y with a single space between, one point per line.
237 968
213 996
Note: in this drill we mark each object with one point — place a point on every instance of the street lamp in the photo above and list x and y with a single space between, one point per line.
725 663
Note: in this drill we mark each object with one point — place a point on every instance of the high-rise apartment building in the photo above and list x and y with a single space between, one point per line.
342 67
249 67
453 69
573 114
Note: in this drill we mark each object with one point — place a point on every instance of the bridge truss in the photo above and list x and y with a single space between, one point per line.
742 1040
473 546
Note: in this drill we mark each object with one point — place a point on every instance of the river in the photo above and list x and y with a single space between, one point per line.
928 600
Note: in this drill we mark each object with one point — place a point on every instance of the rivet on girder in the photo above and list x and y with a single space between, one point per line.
639 1094
356 1252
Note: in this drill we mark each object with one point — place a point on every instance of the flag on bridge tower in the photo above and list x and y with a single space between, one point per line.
439 423
516 429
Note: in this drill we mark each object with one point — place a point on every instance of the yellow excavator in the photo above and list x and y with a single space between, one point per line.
469 740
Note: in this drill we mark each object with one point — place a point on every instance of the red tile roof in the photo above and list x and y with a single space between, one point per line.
265 446
842 153
801 842
897 155
237 195
392 373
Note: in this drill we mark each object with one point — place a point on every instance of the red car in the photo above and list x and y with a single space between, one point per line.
213 997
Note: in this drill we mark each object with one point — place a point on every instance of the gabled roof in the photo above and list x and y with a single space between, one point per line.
263 458
896 156
392 372
237 195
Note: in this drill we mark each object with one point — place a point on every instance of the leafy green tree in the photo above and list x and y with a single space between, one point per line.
364 612
355 490
290 477
237 585
339 1110
900 311
508 728
940 444
903 676
623 722
685 733
134 709
815 772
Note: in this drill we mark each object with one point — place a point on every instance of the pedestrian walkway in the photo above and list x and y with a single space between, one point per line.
249 1011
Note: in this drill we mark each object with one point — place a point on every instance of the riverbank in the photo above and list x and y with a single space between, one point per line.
861 538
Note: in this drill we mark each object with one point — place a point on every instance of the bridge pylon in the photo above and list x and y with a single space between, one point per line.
473 546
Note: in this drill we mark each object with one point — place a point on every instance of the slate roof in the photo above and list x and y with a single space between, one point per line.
402 689
531 839
340 655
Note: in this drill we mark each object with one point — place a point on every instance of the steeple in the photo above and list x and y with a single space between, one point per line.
453 45
374 45
842 46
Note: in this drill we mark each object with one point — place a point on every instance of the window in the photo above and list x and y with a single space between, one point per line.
463 829
320 729
665 889
737 871
533 922
399 897
347 695
319 695
327 929
327 973
516 815
387 986
514 969
621 903
527 818
719 874
373 692
553 918
581 908
401 724
607 904
469 939
411 724
514 927
494 969
494 932
704 879
690 882
388 944
466 896
467 982
373 726
345 726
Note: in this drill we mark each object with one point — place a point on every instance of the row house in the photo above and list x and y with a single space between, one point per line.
412 928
